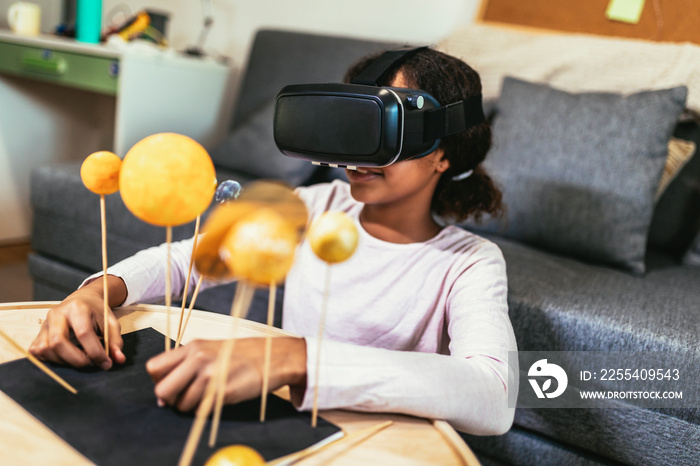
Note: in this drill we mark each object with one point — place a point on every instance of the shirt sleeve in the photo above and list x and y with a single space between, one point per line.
469 388
144 273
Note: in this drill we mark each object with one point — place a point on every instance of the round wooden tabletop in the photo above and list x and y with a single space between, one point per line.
408 441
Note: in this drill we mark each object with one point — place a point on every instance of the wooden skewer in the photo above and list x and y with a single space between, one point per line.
105 292
189 311
219 381
38 363
321 327
168 285
220 368
187 280
199 421
294 457
268 350
458 445
239 309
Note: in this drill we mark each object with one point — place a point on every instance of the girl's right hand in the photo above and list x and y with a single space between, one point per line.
71 332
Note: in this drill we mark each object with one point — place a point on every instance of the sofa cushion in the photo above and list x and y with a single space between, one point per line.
593 436
278 58
251 149
579 172
557 303
561 304
525 447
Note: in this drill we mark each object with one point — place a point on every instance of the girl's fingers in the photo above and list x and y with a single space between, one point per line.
116 343
193 394
159 366
182 375
60 348
174 385
84 331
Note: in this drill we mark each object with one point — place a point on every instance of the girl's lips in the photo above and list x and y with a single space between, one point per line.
363 174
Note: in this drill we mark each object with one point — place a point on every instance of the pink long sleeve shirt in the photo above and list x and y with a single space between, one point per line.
419 328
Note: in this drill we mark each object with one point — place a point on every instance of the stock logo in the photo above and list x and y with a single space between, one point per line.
542 368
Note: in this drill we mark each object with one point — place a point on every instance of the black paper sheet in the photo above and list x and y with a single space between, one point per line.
114 419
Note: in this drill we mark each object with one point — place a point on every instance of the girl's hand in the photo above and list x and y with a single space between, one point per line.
181 375
69 335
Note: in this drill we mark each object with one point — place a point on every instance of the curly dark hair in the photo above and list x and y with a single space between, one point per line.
449 80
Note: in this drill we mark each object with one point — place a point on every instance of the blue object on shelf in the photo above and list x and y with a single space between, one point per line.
89 21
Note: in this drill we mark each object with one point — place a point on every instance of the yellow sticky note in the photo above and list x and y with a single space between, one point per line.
627 11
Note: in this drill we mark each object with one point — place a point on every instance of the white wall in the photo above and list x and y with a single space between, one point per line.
415 21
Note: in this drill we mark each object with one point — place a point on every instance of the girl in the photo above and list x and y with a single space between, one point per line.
418 318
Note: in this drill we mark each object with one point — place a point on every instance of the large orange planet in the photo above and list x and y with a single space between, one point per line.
167 179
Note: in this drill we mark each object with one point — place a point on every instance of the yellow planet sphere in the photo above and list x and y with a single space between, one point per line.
167 179
260 247
235 455
100 172
333 237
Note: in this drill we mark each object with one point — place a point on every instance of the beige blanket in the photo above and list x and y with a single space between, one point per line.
576 62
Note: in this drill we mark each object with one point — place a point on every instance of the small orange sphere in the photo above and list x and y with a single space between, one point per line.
235 455
260 247
333 237
100 172
167 179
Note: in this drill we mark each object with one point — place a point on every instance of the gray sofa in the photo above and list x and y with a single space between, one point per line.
558 301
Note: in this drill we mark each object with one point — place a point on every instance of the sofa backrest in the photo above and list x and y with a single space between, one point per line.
278 58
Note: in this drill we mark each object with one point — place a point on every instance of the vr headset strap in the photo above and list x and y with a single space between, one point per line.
379 68
453 118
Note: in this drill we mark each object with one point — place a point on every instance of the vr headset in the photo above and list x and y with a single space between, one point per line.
364 125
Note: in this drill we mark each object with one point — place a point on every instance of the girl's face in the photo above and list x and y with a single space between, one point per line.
408 180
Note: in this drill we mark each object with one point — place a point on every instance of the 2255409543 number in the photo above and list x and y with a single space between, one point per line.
639 374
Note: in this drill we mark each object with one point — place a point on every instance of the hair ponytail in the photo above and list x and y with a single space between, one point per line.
473 196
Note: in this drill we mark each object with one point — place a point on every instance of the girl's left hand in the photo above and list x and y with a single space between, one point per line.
181 375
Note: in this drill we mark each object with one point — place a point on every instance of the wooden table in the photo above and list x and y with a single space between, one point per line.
24 440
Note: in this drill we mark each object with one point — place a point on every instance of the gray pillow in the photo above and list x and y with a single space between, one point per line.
579 171
251 149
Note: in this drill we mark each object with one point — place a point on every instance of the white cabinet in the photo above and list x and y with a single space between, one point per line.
61 100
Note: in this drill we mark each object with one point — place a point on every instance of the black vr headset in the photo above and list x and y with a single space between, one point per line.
363 124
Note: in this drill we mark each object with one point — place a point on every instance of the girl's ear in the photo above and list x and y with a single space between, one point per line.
441 163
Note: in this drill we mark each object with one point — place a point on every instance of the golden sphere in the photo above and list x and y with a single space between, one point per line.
333 237
100 172
254 196
167 179
260 247
235 455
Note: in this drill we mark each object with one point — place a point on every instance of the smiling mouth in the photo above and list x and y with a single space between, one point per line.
365 171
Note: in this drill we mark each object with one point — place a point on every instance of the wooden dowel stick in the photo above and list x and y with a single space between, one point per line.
239 310
200 419
187 280
168 286
319 343
105 291
268 350
38 363
219 380
240 291
189 311
367 432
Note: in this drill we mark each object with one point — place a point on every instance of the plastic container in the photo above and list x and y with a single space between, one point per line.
89 21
